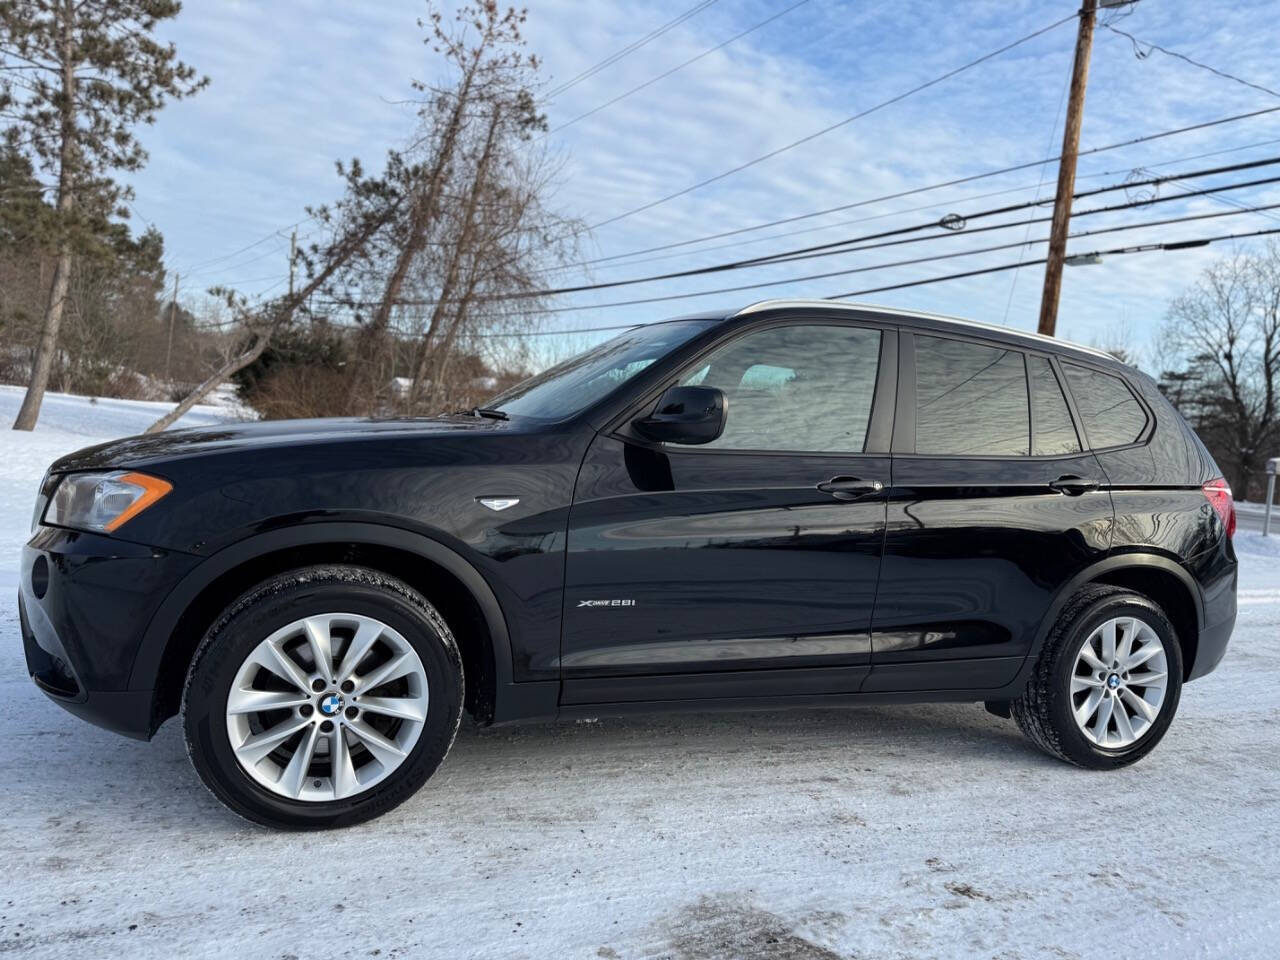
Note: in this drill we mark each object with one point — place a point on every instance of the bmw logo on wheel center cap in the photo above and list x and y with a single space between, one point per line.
331 705
1113 681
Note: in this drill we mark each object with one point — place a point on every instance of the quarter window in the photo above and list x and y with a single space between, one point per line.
971 400
795 388
1109 412
1053 432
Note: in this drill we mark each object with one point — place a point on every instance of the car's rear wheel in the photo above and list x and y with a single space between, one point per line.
1107 682
322 698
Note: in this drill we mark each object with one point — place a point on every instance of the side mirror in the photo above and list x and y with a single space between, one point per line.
685 415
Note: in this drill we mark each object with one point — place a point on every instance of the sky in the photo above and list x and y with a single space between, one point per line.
298 84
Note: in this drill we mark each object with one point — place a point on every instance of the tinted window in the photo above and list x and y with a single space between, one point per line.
971 400
1109 412
1053 431
795 388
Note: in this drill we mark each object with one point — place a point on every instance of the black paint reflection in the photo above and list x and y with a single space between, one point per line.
730 558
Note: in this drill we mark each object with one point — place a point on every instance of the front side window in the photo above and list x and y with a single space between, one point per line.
795 388
1109 412
971 399
575 384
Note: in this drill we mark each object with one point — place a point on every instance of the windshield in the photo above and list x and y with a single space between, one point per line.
575 384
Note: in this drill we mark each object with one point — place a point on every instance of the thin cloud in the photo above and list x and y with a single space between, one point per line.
301 83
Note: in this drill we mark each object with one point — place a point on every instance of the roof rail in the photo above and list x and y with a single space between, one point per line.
897 311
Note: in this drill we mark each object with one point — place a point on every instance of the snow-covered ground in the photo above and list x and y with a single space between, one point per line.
884 832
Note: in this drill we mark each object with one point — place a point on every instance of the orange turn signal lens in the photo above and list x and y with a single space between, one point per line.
153 488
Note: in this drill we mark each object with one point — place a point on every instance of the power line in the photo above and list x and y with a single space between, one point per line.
240 283
629 49
957 181
868 246
676 69
835 247
1119 251
1190 185
881 266
274 251
1141 55
823 249
927 206
195 270
915 261
245 248
835 126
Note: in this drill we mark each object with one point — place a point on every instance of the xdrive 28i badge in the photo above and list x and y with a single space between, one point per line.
606 603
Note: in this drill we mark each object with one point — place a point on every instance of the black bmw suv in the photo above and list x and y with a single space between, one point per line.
797 504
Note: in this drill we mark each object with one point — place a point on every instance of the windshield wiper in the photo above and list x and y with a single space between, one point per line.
489 412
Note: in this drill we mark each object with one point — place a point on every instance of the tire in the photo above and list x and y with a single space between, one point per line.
353 762
1047 710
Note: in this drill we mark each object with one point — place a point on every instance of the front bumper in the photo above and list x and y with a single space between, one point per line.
84 603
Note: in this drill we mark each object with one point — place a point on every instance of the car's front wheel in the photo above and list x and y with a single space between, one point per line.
1107 682
322 698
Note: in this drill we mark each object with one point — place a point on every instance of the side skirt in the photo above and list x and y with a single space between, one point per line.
954 681
744 704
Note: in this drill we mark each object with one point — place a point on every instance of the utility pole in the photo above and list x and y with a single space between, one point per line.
1067 172
173 311
293 258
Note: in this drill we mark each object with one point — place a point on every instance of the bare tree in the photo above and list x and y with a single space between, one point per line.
494 270
1118 341
79 75
474 227
426 258
1225 333
369 207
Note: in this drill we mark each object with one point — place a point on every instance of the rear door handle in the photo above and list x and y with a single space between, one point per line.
1073 486
850 488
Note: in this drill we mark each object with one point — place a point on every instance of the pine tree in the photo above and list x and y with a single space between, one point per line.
76 78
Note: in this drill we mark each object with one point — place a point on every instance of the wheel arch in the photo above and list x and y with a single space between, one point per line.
1161 578
1174 595
445 578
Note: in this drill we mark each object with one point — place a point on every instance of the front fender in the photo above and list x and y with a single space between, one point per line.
147 662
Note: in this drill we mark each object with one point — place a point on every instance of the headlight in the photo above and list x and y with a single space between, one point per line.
42 500
102 502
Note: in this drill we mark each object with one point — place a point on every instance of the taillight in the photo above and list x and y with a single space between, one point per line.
1218 493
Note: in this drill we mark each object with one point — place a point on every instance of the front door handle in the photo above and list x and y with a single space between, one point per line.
1072 485
850 488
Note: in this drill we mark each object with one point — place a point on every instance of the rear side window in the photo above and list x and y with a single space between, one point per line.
971 400
1053 433
1109 412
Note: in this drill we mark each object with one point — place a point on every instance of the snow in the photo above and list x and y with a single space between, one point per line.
886 832
1255 544
1246 506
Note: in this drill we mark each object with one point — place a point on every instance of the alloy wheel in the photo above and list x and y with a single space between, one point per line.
327 707
1119 682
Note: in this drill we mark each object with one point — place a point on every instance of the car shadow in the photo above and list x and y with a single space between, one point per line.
921 732
89 773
